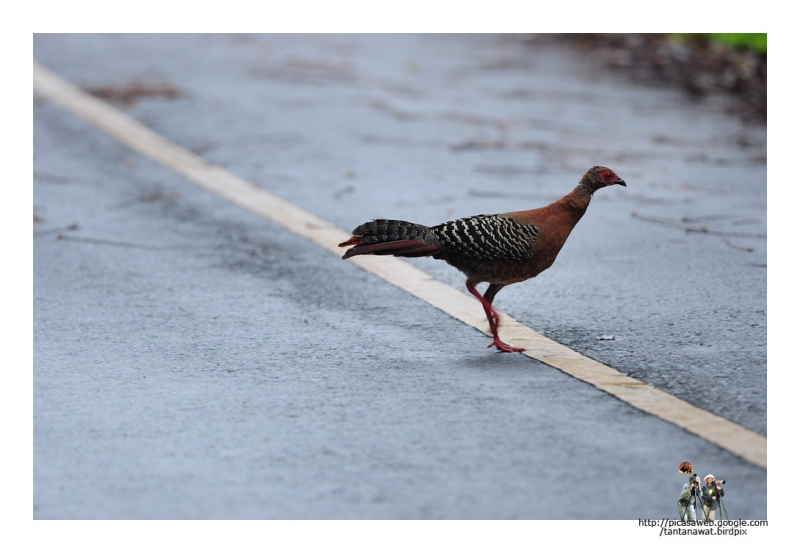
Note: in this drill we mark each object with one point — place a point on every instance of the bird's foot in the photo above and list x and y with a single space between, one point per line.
502 346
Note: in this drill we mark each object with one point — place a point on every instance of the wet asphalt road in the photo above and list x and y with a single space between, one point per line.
193 360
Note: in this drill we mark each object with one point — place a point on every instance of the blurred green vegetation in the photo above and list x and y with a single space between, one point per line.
757 42
752 41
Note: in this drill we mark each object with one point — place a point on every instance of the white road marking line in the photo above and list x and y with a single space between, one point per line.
731 436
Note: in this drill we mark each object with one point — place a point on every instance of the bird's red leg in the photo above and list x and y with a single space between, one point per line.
492 316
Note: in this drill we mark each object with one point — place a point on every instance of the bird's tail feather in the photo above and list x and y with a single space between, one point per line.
402 248
389 237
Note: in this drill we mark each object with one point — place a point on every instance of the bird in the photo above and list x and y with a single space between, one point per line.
500 249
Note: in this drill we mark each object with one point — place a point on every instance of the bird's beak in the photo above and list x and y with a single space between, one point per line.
620 181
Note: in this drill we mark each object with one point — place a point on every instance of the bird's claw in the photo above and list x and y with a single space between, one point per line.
503 347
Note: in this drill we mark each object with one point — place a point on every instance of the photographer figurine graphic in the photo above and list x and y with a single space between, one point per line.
688 499
712 493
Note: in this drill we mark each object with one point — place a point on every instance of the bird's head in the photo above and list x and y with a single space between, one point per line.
599 177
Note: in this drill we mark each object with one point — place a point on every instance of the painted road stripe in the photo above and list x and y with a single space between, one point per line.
731 436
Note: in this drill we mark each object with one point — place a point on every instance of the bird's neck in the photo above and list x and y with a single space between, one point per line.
578 200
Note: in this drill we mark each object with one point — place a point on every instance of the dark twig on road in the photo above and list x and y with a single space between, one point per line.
688 228
112 243
130 93
346 190
73 226
150 198
736 247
